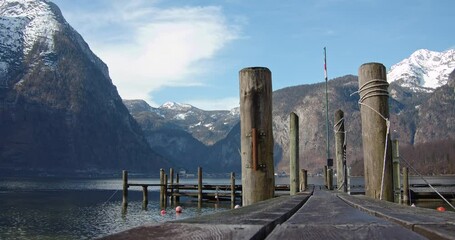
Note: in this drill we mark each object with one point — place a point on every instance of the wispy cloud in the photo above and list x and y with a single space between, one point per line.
148 48
220 103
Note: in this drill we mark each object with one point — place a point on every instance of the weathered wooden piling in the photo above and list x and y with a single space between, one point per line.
294 153
125 188
256 134
330 179
348 182
232 189
340 150
162 188
325 175
176 190
405 186
396 172
303 179
199 185
171 185
375 131
145 198
165 191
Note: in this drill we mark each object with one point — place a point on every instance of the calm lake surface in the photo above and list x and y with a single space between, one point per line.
55 208
42 208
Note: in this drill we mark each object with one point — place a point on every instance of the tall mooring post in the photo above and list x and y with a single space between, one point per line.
374 110
340 151
256 135
294 153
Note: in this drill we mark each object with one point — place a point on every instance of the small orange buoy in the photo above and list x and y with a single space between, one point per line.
163 212
441 209
178 209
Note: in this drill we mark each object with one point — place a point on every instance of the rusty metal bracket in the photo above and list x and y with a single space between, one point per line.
254 144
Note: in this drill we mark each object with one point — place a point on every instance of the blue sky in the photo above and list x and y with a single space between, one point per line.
190 51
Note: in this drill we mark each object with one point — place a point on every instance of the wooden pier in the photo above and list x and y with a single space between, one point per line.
314 214
172 191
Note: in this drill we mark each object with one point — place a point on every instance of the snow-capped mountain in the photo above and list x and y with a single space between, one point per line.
206 126
58 101
23 24
424 70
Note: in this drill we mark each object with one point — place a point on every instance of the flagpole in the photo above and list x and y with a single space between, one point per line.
326 103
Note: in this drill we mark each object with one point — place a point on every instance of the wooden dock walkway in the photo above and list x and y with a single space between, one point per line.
317 214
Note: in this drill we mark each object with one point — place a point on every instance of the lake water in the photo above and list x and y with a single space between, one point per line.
52 208
81 208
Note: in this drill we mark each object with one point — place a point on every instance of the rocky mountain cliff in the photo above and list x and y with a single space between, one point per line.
59 111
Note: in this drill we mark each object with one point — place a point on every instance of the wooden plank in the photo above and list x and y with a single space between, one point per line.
427 222
342 231
251 222
325 216
144 184
190 231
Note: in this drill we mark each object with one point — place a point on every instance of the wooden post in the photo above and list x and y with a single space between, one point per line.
199 185
294 153
325 176
145 199
330 179
405 186
177 191
303 179
396 172
125 188
232 189
348 175
375 131
258 180
171 185
345 172
162 188
165 191
340 146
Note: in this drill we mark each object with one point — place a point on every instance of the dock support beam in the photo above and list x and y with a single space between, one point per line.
145 198
330 179
162 188
374 110
232 189
303 180
199 186
294 153
396 172
125 189
176 190
171 185
340 150
405 186
256 134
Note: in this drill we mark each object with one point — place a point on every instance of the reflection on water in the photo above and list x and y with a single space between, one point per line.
78 209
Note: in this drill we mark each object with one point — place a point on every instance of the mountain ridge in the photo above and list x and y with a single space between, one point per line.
60 111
